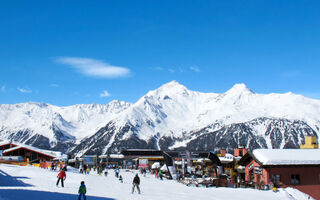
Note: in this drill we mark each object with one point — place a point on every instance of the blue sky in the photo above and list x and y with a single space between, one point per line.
70 52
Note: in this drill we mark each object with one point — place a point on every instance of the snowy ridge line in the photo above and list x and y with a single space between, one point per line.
168 113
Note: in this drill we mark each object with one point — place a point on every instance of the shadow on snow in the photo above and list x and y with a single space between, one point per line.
11 181
15 194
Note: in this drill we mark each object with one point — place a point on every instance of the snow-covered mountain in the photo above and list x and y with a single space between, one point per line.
52 127
170 117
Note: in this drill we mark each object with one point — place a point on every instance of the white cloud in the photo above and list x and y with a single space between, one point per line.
105 93
54 85
24 90
94 68
171 70
3 88
194 68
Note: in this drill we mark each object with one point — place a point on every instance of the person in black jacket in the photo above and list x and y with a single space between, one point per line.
136 183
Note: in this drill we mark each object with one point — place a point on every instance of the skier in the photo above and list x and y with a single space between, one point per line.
120 179
65 167
144 172
156 174
81 169
136 183
88 170
160 174
61 176
106 171
82 191
52 166
116 173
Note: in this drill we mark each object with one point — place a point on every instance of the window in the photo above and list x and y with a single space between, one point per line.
276 179
295 179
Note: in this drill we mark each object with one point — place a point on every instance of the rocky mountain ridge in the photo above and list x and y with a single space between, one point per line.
170 117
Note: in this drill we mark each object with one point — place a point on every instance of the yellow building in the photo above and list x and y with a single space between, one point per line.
310 143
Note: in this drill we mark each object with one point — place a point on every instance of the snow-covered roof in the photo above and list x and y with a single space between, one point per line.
54 154
287 156
227 158
7 142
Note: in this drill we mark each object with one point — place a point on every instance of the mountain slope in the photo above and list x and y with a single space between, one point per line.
170 117
173 117
51 127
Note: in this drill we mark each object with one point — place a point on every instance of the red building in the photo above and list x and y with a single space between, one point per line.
297 168
27 152
239 152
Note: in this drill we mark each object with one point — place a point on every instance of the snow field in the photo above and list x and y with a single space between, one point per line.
43 183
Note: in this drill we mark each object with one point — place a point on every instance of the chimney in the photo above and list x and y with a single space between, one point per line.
223 152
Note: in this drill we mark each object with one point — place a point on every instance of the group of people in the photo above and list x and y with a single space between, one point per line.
84 169
159 174
54 166
82 189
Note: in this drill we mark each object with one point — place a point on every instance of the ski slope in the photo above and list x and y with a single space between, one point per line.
17 183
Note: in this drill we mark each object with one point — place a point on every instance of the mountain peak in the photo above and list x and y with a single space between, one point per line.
172 83
170 88
239 88
173 87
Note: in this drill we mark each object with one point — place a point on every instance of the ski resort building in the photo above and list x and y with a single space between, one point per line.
297 168
28 153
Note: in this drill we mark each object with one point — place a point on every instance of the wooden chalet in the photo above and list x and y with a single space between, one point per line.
28 153
297 168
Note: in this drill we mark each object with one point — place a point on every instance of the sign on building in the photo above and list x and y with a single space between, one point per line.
144 163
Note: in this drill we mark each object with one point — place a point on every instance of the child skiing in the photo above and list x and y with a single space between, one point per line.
82 191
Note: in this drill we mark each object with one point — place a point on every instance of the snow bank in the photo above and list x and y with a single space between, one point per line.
295 194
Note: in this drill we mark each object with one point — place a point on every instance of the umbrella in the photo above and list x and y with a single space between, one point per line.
155 165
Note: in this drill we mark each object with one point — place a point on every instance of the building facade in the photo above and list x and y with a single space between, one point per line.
297 168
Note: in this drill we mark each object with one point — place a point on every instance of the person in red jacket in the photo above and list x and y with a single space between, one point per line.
61 176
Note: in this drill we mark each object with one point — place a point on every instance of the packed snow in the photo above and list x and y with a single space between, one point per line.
17 183
288 156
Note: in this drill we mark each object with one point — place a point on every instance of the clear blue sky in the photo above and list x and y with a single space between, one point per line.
70 52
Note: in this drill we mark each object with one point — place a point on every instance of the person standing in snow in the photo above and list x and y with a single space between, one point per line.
160 174
82 191
61 176
52 166
144 172
65 167
156 174
120 179
106 171
136 183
